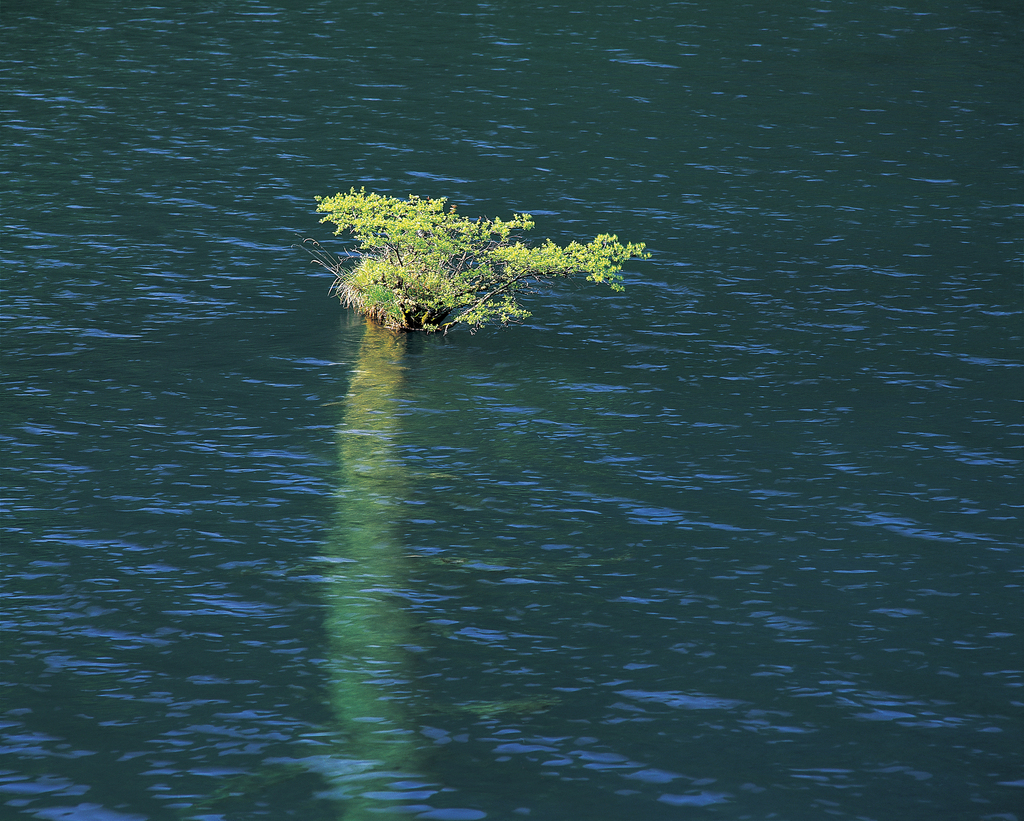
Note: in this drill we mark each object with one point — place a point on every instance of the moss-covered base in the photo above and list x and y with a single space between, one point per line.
379 302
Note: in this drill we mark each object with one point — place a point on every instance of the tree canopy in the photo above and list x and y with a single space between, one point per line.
421 266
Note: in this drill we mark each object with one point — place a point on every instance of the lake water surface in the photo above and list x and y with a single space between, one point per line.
742 542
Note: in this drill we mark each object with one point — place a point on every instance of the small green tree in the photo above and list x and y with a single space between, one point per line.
421 266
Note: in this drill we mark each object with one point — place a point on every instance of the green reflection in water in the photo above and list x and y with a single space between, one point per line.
369 757
367 624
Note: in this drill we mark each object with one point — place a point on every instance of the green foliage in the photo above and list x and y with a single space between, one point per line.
421 266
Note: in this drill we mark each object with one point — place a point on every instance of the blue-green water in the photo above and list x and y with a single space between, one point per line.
742 542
